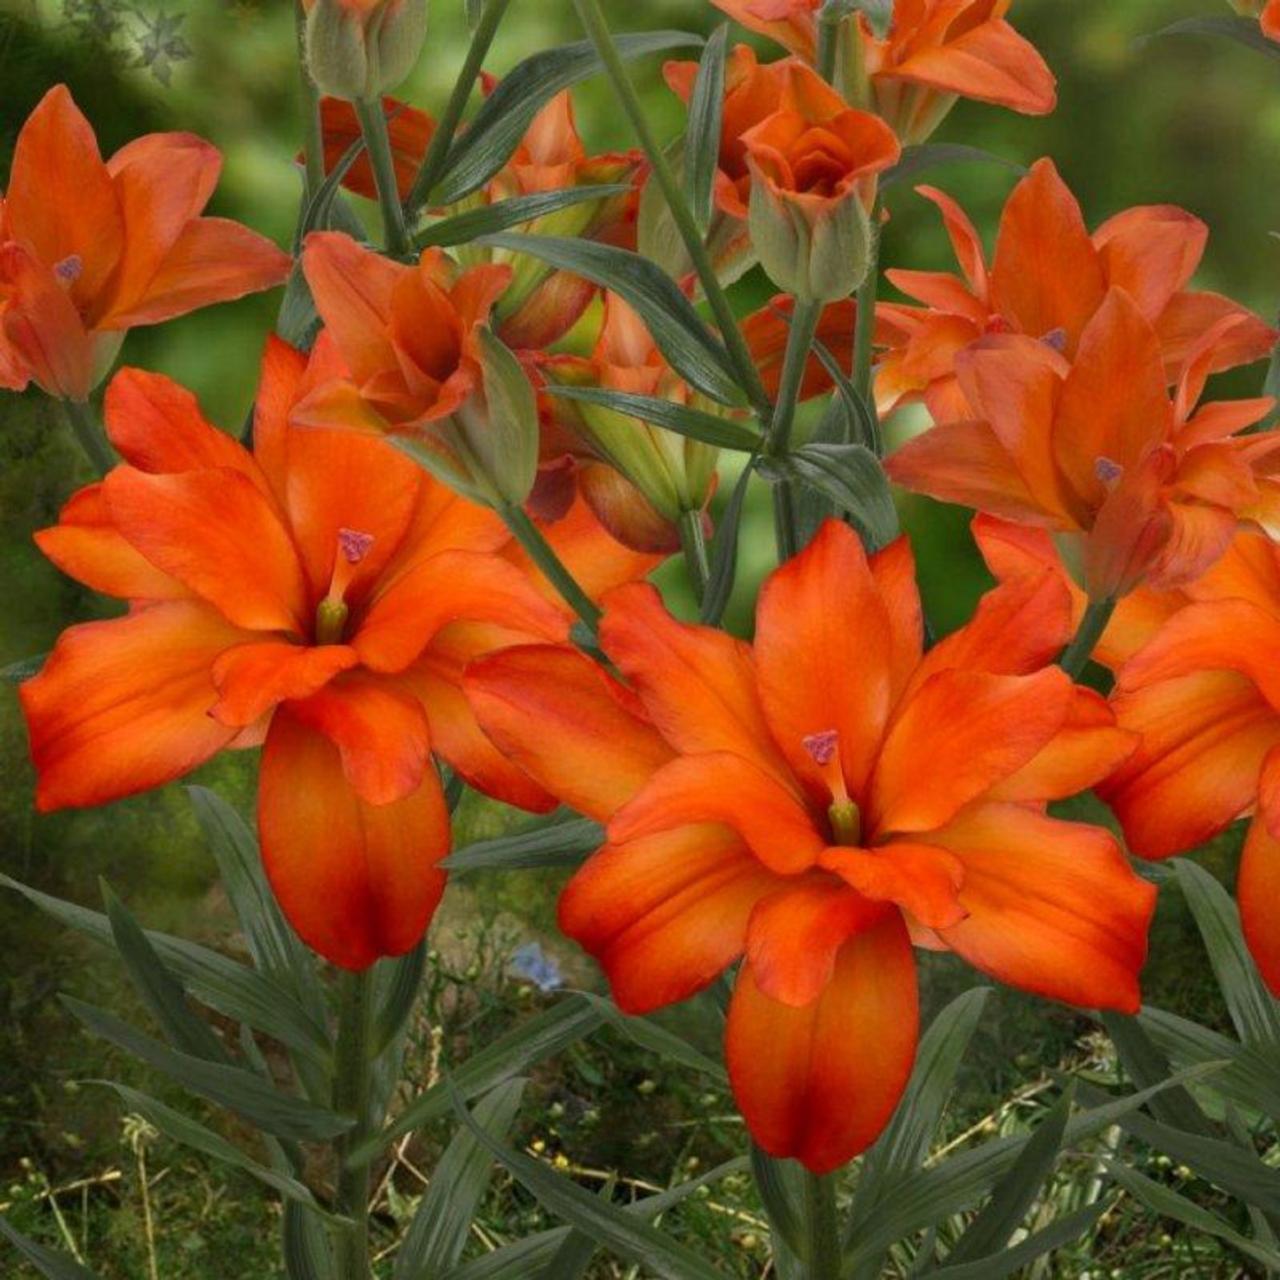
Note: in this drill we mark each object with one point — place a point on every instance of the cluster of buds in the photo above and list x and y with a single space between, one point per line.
359 49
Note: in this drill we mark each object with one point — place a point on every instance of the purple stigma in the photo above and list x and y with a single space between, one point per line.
1107 471
354 545
1057 339
822 746
70 269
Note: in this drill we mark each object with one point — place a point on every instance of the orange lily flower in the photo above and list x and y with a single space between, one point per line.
638 479
409 132
934 52
818 801
1204 697
88 249
1048 279
319 596
1096 449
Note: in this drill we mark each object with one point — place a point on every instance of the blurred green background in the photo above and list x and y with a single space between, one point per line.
1185 121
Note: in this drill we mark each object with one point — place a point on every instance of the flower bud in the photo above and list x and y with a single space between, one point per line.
814 166
359 49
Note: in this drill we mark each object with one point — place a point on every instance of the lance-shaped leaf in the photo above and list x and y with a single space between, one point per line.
241 1091
308 1255
492 137
510 1055
211 978
707 427
676 327
54 1266
438 1231
1170 1204
781 1190
462 228
724 551
397 985
182 1129
1062 1231
650 1035
1255 1012
612 1226
1147 1065
924 156
852 477
562 844
702 137
161 992
1245 31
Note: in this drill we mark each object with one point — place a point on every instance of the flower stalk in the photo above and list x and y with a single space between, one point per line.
1076 656
822 1252
352 1090
804 324
377 141
865 327
84 423
693 542
543 555
313 132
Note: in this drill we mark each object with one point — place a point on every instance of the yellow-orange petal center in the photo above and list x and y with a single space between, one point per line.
332 612
843 812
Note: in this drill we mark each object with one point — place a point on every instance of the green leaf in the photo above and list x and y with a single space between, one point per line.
936 1193
23 669
462 228
930 155
181 1129
54 1266
563 844
492 137
707 427
1253 1009
1170 1204
308 1254
649 1035
676 327
398 984
211 978
1062 1231
852 478
724 550
1146 1065
241 1091
508 1056
613 1227
1011 1200
525 1257
1245 31
901 1149
161 992
297 322
702 137
438 1233
779 1183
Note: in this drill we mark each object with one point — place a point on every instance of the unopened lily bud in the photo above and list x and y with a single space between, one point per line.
359 49
814 166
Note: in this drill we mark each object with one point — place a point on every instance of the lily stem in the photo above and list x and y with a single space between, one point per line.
864 331
823 1255
352 1087
313 131
1076 656
541 552
804 324
731 334
442 139
693 541
373 125
84 423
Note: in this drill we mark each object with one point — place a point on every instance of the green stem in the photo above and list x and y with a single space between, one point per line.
442 139
865 329
377 141
540 551
693 541
748 375
352 1088
84 423
313 131
1077 654
823 1256
828 35
804 324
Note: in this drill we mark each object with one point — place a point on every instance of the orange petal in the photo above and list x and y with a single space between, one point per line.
597 560
1053 907
1151 252
213 260
825 655
1190 315
720 787
920 878
819 1083
792 23
697 684
381 735
1258 886
894 571
45 338
215 532
665 915
1204 737
958 735
410 132
357 881
61 200
1046 274
563 720
252 678
964 237
123 706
